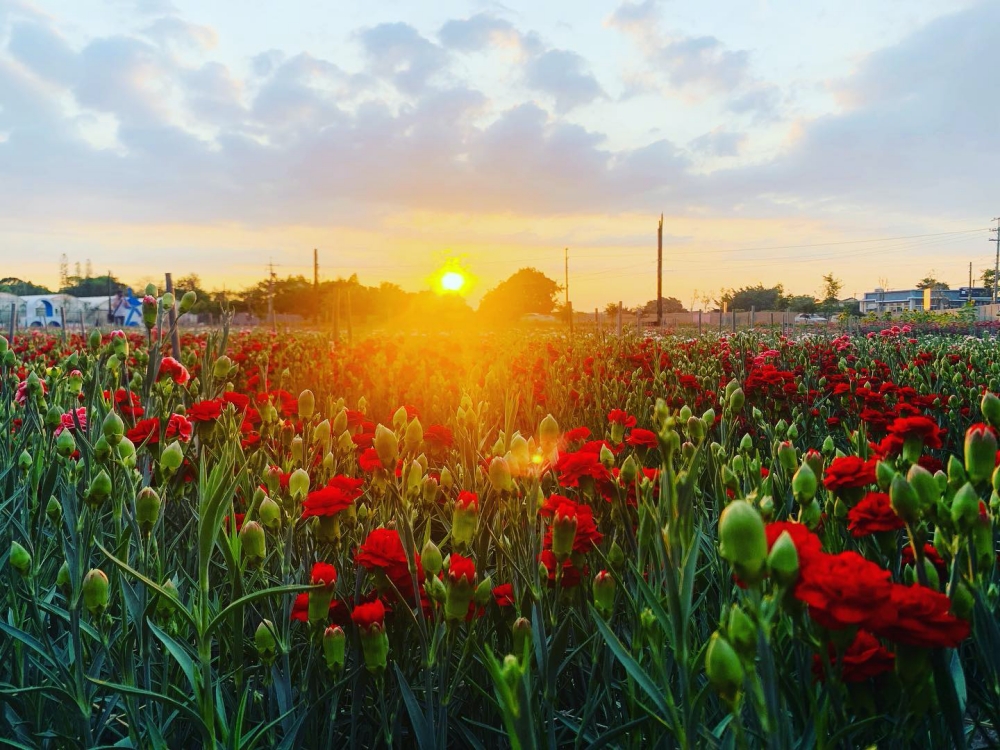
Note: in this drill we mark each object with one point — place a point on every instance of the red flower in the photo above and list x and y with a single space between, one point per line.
863 660
849 472
587 535
205 411
573 467
369 461
807 544
570 574
577 434
619 416
461 567
300 610
919 616
329 500
467 500
238 400
642 438
178 427
171 368
67 422
367 616
146 429
323 573
907 557
872 515
503 595
438 437
383 551
917 427
843 590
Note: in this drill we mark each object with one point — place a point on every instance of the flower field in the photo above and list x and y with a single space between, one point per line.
492 541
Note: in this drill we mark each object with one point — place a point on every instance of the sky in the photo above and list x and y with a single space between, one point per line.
781 140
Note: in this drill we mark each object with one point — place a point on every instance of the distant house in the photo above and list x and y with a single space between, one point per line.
897 300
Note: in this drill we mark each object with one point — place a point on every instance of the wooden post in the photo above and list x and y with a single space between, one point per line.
700 312
569 311
597 323
62 321
13 321
734 321
175 339
638 321
753 315
620 313
83 326
772 320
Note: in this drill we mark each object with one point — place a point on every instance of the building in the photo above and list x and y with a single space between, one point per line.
897 300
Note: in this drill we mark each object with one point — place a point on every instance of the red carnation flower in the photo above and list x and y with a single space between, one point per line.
171 368
205 411
919 616
575 435
863 660
328 501
619 416
383 551
460 567
642 438
849 472
503 595
369 615
843 590
570 574
369 461
467 500
438 438
872 515
323 573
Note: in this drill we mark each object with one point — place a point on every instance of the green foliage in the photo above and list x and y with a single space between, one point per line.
13 285
527 291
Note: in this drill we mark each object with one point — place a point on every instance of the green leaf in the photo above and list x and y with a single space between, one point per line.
244 600
149 582
635 671
177 651
423 732
167 700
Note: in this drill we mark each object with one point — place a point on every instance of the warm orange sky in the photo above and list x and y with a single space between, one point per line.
781 141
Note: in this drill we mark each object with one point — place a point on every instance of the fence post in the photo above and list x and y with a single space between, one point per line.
336 316
62 320
350 319
699 322
734 321
620 314
13 321
753 316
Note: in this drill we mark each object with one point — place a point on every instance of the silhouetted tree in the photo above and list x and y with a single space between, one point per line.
527 291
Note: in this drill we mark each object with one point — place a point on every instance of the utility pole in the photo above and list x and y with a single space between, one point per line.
569 308
996 266
659 274
315 270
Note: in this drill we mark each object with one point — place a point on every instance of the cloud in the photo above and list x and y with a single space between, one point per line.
478 32
563 75
173 30
397 52
719 142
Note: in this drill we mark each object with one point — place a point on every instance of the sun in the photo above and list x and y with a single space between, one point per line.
452 281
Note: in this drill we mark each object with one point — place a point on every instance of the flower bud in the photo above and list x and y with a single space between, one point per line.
904 500
269 513
165 605
187 302
956 473
616 555
460 583
484 592
95 591
829 448
804 484
604 593
221 367
321 433
990 406
464 519
723 667
387 446
172 457
980 453
334 647
430 559
149 307
65 444
499 473
298 483
783 560
264 640
167 301
742 541
742 632
522 635
147 509
787 456
413 437
24 460
884 473
564 525
126 452
20 559
435 589
253 542
113 428
99 489
307 404
548 435
63 581
924 485
965 508
53 511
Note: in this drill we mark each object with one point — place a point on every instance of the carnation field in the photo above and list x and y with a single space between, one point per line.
499 540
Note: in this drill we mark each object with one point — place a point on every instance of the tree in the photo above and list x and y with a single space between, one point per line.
987 278
527 291
802 303
670 305
14 285
831 288
63 270
611 309
98 286
929 282
758 297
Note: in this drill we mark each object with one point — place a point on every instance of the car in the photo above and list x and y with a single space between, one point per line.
809 318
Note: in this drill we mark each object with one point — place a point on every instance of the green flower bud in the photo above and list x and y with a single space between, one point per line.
172 457
387 446
435 589
616 555
187 302
65 445
400 418
924 485
484 592
62 579
884 473
742 632
53 511
24 460
787 456
253 543
828 446
522 636
990 406
742 541
99 489
783 560
723 667
607 458
126 452
904 500
604 593
221 367
167 301
147 509
307 404
499 473
548 435
266 643
20 559
965 508
165 605
956 473
413 437
334 648
563 534
298 483
804 484
430 559
113 428
980 453
95 591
